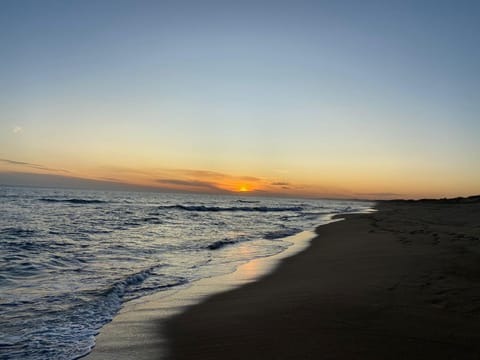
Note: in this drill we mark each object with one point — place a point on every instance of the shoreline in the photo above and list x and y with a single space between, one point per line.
136 330
401 283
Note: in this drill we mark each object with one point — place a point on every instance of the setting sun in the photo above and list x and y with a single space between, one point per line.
167 151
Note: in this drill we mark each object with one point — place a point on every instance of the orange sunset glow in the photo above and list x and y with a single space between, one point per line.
356 183
149 147
228 109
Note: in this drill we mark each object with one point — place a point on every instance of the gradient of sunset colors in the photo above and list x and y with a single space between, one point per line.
360 99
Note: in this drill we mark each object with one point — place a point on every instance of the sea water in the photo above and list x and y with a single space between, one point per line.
69 259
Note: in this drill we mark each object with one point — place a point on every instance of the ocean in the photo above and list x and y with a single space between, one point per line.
70 259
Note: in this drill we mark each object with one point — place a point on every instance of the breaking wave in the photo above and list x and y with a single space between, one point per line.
272 235
73 201
220 244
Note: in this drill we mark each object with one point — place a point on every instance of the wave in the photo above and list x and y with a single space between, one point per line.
18 232
131 288
75 327
202 208
73 201
272 235
248 201
220 244
152 220
9 196
347 209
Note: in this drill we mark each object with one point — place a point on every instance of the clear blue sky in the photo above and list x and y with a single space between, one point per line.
341 97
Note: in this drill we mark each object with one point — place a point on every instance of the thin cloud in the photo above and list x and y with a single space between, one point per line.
202 173
31 165
109 179
124 170
17 129
213 175
249 178
280 183
65 181
189 183
22 163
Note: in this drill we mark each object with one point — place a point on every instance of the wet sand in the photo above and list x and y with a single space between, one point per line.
136 332
402 283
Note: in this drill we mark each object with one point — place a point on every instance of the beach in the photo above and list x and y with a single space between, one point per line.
239 180
400 283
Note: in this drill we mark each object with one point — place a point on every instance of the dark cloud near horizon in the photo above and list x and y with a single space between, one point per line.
200 173
282 184
62 181
109 179
190 183
70 182
214 174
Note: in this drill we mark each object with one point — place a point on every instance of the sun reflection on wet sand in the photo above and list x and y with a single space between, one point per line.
256 268
250 270
133 323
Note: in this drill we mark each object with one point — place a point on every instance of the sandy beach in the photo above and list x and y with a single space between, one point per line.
401 283
239 180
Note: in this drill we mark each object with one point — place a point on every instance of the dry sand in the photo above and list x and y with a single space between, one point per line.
402 283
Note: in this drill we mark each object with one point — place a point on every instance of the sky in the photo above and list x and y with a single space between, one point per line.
355 99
